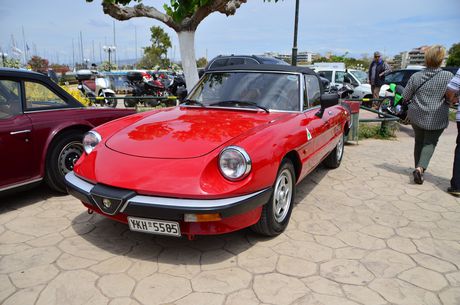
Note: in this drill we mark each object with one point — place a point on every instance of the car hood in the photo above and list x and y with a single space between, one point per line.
186 132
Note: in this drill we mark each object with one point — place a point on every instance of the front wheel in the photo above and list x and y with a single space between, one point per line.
383 107
277 211
63 152
335 157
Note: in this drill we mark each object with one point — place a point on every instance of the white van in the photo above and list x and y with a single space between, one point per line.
358 78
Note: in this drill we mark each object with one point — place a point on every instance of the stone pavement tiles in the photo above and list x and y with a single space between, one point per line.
361 234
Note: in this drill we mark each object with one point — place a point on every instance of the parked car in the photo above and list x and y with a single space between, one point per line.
41 129
231 60
227 158
357 78
399 77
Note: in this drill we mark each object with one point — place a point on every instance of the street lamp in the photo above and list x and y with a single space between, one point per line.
3 57
296 23
109 50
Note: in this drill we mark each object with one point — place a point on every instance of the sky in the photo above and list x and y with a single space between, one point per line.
354 26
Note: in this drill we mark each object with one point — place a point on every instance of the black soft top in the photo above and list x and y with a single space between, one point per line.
263 67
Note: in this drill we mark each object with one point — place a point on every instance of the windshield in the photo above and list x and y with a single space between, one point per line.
275 91
360 75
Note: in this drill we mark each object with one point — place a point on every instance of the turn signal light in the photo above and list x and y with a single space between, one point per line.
202 217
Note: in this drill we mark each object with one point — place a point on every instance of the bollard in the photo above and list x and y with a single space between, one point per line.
354 128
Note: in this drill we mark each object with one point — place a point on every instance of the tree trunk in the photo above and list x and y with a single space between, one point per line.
187 54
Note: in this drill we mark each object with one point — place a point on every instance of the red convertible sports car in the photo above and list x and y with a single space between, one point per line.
41 129
227 158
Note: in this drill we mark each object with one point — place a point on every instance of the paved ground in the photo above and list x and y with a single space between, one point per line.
361 234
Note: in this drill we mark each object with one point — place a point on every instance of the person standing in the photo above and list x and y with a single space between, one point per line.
453 89
377 71
428 109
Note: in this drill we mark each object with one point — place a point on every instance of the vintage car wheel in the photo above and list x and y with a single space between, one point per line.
64 151
335 157
277 211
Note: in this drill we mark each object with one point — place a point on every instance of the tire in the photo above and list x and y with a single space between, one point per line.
109 103
129 102
383 106
277 211
151 102
62 154
335 157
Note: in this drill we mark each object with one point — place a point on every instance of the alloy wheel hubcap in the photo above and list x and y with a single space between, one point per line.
282 195
340 148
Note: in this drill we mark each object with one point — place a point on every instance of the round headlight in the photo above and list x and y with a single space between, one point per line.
234 163
90 140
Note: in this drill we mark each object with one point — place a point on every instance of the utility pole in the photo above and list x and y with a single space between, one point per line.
296 23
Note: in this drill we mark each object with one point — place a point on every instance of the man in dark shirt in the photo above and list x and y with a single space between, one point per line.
377 71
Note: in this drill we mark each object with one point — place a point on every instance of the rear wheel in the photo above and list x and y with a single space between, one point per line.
277 211
335 157
129 102
384 106
63 152
108 102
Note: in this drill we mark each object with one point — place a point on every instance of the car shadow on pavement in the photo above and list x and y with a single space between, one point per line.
18 199
207 251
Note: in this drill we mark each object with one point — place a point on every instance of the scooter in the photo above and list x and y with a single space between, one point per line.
96 87
393 103
143 84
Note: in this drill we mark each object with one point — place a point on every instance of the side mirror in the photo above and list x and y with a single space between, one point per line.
346 79
327 100
181 93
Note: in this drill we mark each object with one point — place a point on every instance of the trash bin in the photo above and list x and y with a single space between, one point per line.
354 109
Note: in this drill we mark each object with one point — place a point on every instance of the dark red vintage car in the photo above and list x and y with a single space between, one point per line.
227 158
41 129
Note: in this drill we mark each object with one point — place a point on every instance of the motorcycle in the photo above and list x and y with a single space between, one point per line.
143 84
393 103
96 87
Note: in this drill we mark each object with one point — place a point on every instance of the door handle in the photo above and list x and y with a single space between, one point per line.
330 112
20 131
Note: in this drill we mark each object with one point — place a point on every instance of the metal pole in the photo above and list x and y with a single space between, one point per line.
296 22
110 66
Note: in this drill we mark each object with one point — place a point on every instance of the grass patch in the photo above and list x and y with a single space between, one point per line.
452 113
374 131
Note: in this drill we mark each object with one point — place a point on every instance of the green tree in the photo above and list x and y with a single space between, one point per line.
106 66
201 62
156 54
183 16
12 63
454 56
38 64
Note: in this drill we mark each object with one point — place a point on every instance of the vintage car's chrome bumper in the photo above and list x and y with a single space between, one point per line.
114 200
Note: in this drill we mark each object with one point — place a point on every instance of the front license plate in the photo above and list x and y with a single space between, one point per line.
154 226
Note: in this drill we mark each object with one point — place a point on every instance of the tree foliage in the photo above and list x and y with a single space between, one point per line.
38 64
10 62
106 66
201 62
156 54
63 69
454 55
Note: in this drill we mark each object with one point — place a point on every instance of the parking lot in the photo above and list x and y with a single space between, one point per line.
361 234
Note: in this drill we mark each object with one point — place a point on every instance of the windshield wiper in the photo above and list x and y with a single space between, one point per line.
192 102
236 103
